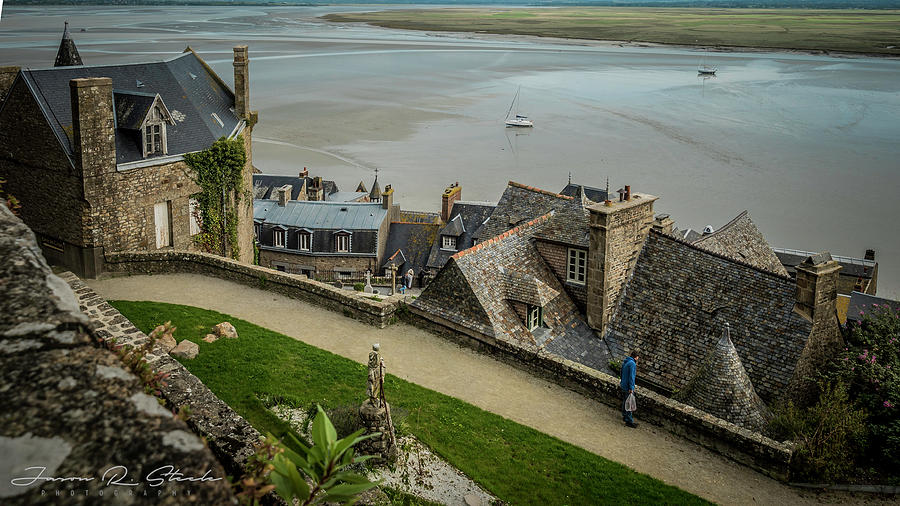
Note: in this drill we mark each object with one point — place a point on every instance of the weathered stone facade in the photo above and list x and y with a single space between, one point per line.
618 232
298 263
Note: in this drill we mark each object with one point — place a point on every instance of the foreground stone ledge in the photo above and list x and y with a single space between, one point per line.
68 407
353 304
746 447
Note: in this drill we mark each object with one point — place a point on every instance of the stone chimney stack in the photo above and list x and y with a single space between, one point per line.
284 195
304 172
618 232
93 125
817 279
663 224
318 189
241 82
387 198
870 254
451 194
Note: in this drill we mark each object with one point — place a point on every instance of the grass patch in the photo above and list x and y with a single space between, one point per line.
518 464
861 31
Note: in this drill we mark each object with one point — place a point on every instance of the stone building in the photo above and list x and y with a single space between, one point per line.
323 239
590 281
95 153
304 187
857 274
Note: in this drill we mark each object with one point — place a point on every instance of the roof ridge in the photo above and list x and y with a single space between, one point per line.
538 190
414 223
509 233
725 226
723 257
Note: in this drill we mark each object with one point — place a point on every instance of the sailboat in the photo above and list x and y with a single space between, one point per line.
704 69
518 120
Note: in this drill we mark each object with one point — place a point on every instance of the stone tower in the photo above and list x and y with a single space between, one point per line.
67 55
618 231
723 388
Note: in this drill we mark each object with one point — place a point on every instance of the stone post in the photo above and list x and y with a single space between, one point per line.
375 413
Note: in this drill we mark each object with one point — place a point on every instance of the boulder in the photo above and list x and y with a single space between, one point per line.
185 349
210 338
225 329
167 342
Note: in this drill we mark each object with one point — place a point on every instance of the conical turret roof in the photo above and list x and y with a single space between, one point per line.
67 55
723 388
375 194
361 187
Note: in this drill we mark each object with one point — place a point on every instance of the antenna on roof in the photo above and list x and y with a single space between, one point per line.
570 177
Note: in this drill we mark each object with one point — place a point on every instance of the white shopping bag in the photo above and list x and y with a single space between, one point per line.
630 404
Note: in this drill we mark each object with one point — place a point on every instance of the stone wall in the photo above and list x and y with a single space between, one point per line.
617 235
353 304
746 447
71 407
296 262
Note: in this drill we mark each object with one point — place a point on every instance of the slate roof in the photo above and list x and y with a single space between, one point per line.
723 388
68 53
519 204
679 293
593 194
865 303
479 287
346 196
571 223
414 241
375 194
132 108
455 227
472 215
741 240
855 267
188 87
265 186
320 215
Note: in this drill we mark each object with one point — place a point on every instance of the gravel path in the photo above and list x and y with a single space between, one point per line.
435 363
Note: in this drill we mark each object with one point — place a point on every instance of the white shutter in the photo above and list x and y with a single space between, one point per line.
161 215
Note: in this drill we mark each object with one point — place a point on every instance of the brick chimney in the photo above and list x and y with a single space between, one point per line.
93 125
304 173
451 194
870 254
284 195
663 224
618 232
317 192
817 279
241 82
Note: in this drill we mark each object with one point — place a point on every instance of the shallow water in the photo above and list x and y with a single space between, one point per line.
808 144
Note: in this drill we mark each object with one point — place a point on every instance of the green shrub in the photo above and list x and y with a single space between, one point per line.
359 286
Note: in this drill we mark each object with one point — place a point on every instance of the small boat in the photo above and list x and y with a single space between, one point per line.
706 70
518 120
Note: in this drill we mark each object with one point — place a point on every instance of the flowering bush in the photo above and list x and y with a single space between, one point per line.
870 366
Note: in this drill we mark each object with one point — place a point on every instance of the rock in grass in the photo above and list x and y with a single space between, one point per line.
225 329
167 342
185 349
210 338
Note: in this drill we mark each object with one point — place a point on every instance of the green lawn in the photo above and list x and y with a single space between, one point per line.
864 31
518 464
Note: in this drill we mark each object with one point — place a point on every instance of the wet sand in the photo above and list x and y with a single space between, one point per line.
427 360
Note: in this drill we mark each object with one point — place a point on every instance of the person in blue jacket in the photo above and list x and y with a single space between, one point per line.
629 369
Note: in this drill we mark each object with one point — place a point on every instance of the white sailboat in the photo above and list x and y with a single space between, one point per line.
518 120
704 69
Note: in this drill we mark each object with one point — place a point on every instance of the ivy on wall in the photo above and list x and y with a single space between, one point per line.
219 171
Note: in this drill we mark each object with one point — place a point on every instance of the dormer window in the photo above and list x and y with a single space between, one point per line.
342 243
304 240
278 238
147 116
448 242
535 317
154 133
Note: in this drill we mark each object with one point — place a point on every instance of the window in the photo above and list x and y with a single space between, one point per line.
576 266
279 238
303 240
449 242
155 133
194 210
535 317
343 243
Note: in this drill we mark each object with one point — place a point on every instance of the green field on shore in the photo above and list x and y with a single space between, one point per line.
858 31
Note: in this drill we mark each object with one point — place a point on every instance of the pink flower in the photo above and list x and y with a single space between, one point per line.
888 404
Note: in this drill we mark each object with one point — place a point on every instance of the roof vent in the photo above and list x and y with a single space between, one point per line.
343 209
708 230
193 76
219 121
139 83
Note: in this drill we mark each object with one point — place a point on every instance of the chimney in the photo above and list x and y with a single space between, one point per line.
304 173
241 82
451 194
7 77
816 291
663 224
318 189
621 192
387 197
627 192
618 232
870 254
284 195
93 125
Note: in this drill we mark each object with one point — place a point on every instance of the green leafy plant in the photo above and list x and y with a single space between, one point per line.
359 287
11 202
219 171
324 464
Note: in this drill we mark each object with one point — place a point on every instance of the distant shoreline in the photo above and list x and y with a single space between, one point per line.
821 32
